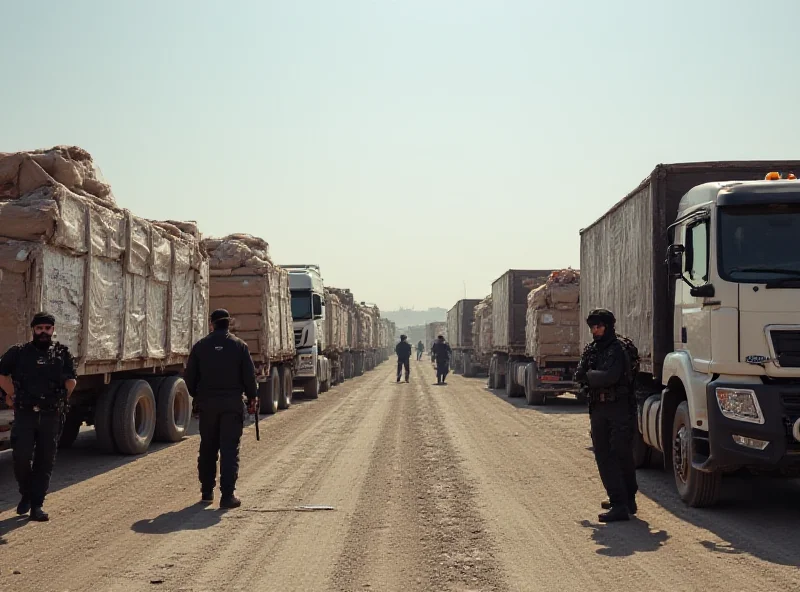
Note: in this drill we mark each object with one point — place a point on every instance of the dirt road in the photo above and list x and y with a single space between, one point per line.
432 488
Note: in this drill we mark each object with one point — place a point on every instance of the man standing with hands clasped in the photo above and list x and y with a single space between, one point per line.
219 371
38 378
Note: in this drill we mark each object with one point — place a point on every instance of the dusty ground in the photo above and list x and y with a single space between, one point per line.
433 488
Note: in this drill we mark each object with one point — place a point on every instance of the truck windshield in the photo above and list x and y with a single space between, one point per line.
759 244
301 306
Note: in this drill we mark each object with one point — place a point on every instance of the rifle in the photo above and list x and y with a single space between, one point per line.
255 414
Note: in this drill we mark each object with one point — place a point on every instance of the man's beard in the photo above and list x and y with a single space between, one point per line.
42 340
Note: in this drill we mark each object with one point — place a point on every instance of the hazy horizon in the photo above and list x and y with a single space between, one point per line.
414 150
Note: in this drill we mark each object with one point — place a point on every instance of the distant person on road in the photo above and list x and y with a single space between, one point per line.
38 379
420 350
218 372
605 367
441 352
403 351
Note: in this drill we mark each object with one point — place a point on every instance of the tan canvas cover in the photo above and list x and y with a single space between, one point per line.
552 320
482 327
255 293
335 323
123 289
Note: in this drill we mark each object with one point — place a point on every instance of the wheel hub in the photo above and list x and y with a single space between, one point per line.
680 454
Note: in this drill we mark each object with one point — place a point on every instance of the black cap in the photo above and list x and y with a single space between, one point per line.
441 337
43 318
601 316
403 337
220 315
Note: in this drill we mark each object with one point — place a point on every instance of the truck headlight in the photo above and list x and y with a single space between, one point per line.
739 404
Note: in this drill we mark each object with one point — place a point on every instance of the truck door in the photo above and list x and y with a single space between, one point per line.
695 326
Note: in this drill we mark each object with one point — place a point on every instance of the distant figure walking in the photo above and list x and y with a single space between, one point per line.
420 350
403 351
441 352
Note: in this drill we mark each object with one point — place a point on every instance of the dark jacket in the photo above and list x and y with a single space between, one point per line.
602 367
403 350
220 365
441 351
38 374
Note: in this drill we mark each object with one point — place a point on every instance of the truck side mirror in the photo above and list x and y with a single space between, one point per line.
317 306
704 291
675 261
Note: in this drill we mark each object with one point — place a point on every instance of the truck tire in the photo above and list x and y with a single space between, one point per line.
311 388
532 395
269 393
358 366
173 410
72 427
490 384
134 417
696 488
103 417
287 388
466 361
511 386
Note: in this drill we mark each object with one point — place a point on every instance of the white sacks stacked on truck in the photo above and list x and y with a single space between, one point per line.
553 317
256 294
123 289
482 341
336 323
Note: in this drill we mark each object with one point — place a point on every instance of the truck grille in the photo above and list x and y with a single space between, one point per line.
298 335
786 344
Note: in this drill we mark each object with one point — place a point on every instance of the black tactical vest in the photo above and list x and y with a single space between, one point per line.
38 379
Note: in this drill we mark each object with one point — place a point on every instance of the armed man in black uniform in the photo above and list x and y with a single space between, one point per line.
218 372
38 379
403 351
441 352
603 367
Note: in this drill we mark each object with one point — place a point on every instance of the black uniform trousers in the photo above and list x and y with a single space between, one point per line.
34 438
401 364
221 425
612 437
442 369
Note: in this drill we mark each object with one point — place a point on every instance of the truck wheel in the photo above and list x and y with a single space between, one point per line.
71 429
311 388
134 417
532 395
103 417
511 385
268 393
467 363
696 488
490 383
173 410
287 386
358 369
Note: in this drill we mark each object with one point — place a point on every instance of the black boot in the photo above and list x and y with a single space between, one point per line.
39 515
229 501
207 497
24 505
632 508
615 514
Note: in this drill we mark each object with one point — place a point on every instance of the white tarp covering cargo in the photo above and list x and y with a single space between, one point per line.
553 317
126 292
336 320
256 294
482 328
350 324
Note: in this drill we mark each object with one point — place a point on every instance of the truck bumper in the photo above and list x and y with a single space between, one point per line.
305 363
780 409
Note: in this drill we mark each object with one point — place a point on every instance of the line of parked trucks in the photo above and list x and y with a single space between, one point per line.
131 296
700 265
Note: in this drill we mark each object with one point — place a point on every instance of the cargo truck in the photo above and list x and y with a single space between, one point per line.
509 309
312 368
459 329
256 294
482 336
367 338
552 340
130 297
718 326
432 332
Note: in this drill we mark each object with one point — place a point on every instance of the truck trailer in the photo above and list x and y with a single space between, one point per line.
130 297
459 330
255 292
717 326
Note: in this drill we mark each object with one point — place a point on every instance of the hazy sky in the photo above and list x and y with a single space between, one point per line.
407 146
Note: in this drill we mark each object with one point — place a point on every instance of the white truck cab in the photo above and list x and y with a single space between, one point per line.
732 396
312 369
